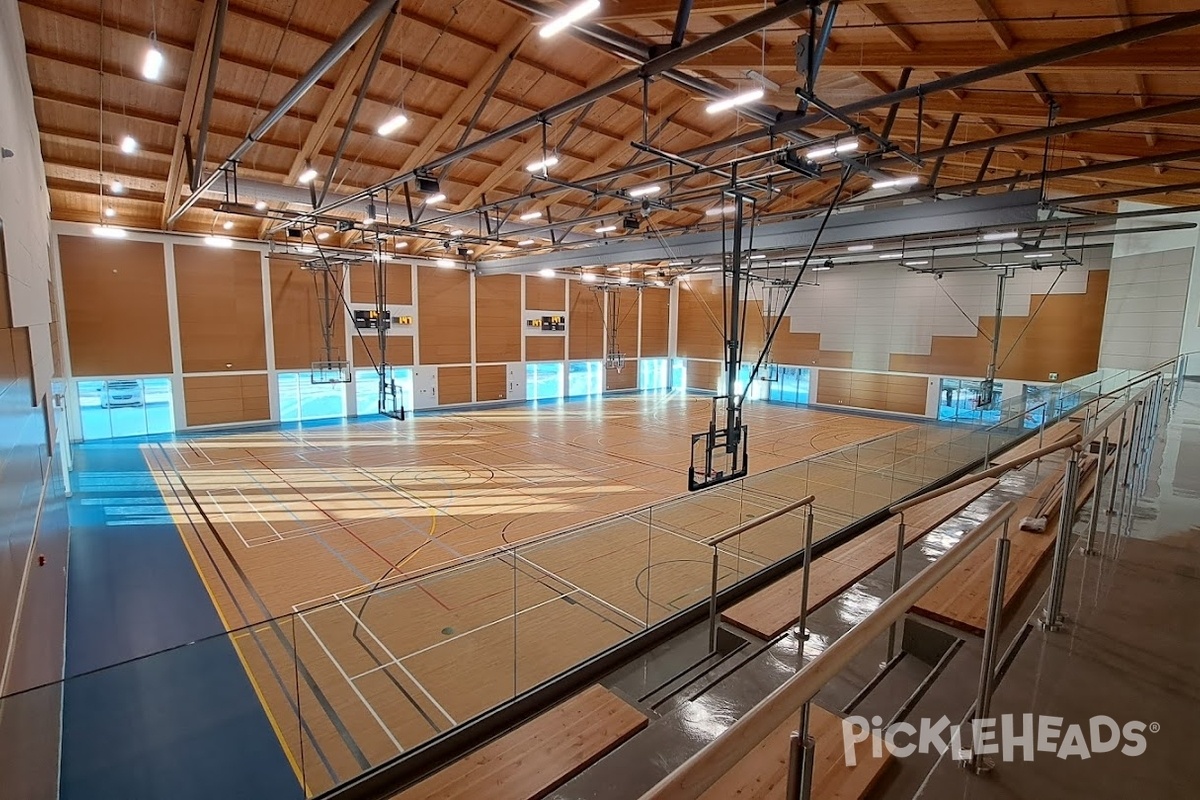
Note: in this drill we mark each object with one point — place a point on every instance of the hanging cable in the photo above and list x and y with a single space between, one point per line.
1061 271
966 316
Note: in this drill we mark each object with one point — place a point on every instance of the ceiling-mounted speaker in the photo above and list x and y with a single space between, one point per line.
427 185
295 233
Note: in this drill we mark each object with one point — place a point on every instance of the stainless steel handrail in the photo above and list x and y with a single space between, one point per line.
704 768
754 523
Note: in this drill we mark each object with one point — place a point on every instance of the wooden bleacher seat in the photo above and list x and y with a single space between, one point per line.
762 774
541 755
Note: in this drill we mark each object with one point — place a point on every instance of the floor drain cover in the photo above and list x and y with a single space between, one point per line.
448 631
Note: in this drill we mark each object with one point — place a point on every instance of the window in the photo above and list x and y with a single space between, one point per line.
301 399
585 378
758 390
653 374
125 407
543 381
787 385
366 390
966 401
679 374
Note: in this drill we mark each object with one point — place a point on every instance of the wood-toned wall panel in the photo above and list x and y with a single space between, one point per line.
623 304
365 351
115 296
498 318
656 321
704 375
627 378
491 382
454 385
881 392
545 348
444 316
296 316
1063 337
219 295
585 323
224 399
545 294
398 279
700 320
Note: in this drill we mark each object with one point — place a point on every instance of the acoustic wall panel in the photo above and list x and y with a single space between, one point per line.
397 284
498 318
491 382
656 320
219 295
115 294
224 399
545 348
444 316
365 350
545 294
585 322
623 310
454 385
297 315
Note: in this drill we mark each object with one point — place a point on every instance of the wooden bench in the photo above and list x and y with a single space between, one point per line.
541 755
762 774
770 611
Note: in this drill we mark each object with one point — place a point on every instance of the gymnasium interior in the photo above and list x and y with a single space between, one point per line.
599 399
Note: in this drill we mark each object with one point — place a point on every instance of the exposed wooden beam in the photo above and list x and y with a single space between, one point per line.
996 25
893 26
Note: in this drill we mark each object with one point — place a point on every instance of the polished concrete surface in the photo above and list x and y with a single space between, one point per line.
1129 649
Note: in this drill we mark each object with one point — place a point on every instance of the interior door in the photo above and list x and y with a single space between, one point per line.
425 380
517 374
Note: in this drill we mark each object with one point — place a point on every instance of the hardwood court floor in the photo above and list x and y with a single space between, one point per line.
334 521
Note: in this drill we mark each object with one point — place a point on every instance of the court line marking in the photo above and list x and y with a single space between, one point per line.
583 591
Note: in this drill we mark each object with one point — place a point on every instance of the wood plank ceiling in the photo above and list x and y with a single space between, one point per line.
462 70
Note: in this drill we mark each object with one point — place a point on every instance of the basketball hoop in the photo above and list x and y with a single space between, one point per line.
330 372
615 361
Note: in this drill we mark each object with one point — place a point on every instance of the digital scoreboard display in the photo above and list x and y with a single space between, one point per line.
551 324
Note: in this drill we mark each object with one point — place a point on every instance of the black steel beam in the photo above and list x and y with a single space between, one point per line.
214 60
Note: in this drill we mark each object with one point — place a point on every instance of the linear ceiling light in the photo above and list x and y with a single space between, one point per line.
445 262
821 269
848 146
525 243
891 255
308 176
913 263
322 236
573 15
720 210
606 229
434 198
546 272
218 241
644 191
859 248
1039 255
261 205
737 100
543 165
588 277
1000 236
108 232
392 125
892 183
152 64
531 215
128 144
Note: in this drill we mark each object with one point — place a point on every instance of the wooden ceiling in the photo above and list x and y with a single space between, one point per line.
480 63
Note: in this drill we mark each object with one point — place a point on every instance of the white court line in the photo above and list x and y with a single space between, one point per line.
231 523
505 618
342 672
396 661
254 508
582 591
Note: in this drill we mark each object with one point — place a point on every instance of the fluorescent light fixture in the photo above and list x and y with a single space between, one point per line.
588 277
308 176
228 225
613 269
736 100
525 243
261 205
676 263
907 180
660 283
434 198
643 191
758 257
392 124
401 244
110 212
573 15
821 269
606 229
445 262
128 144
848 146
891 255
456 232
322 236
999 236
859 248
624 279
152 64
543 165
108 232
720 211
116 187
218 241
546 272
913 263
531 215
307 249
369 219
1039 255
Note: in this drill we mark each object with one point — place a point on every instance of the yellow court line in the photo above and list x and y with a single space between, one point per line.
236 649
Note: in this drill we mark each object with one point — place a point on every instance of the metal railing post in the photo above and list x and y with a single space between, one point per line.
802 748
712 603
897 567
1052 619
1112 499
1089 548
801 629
991 641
